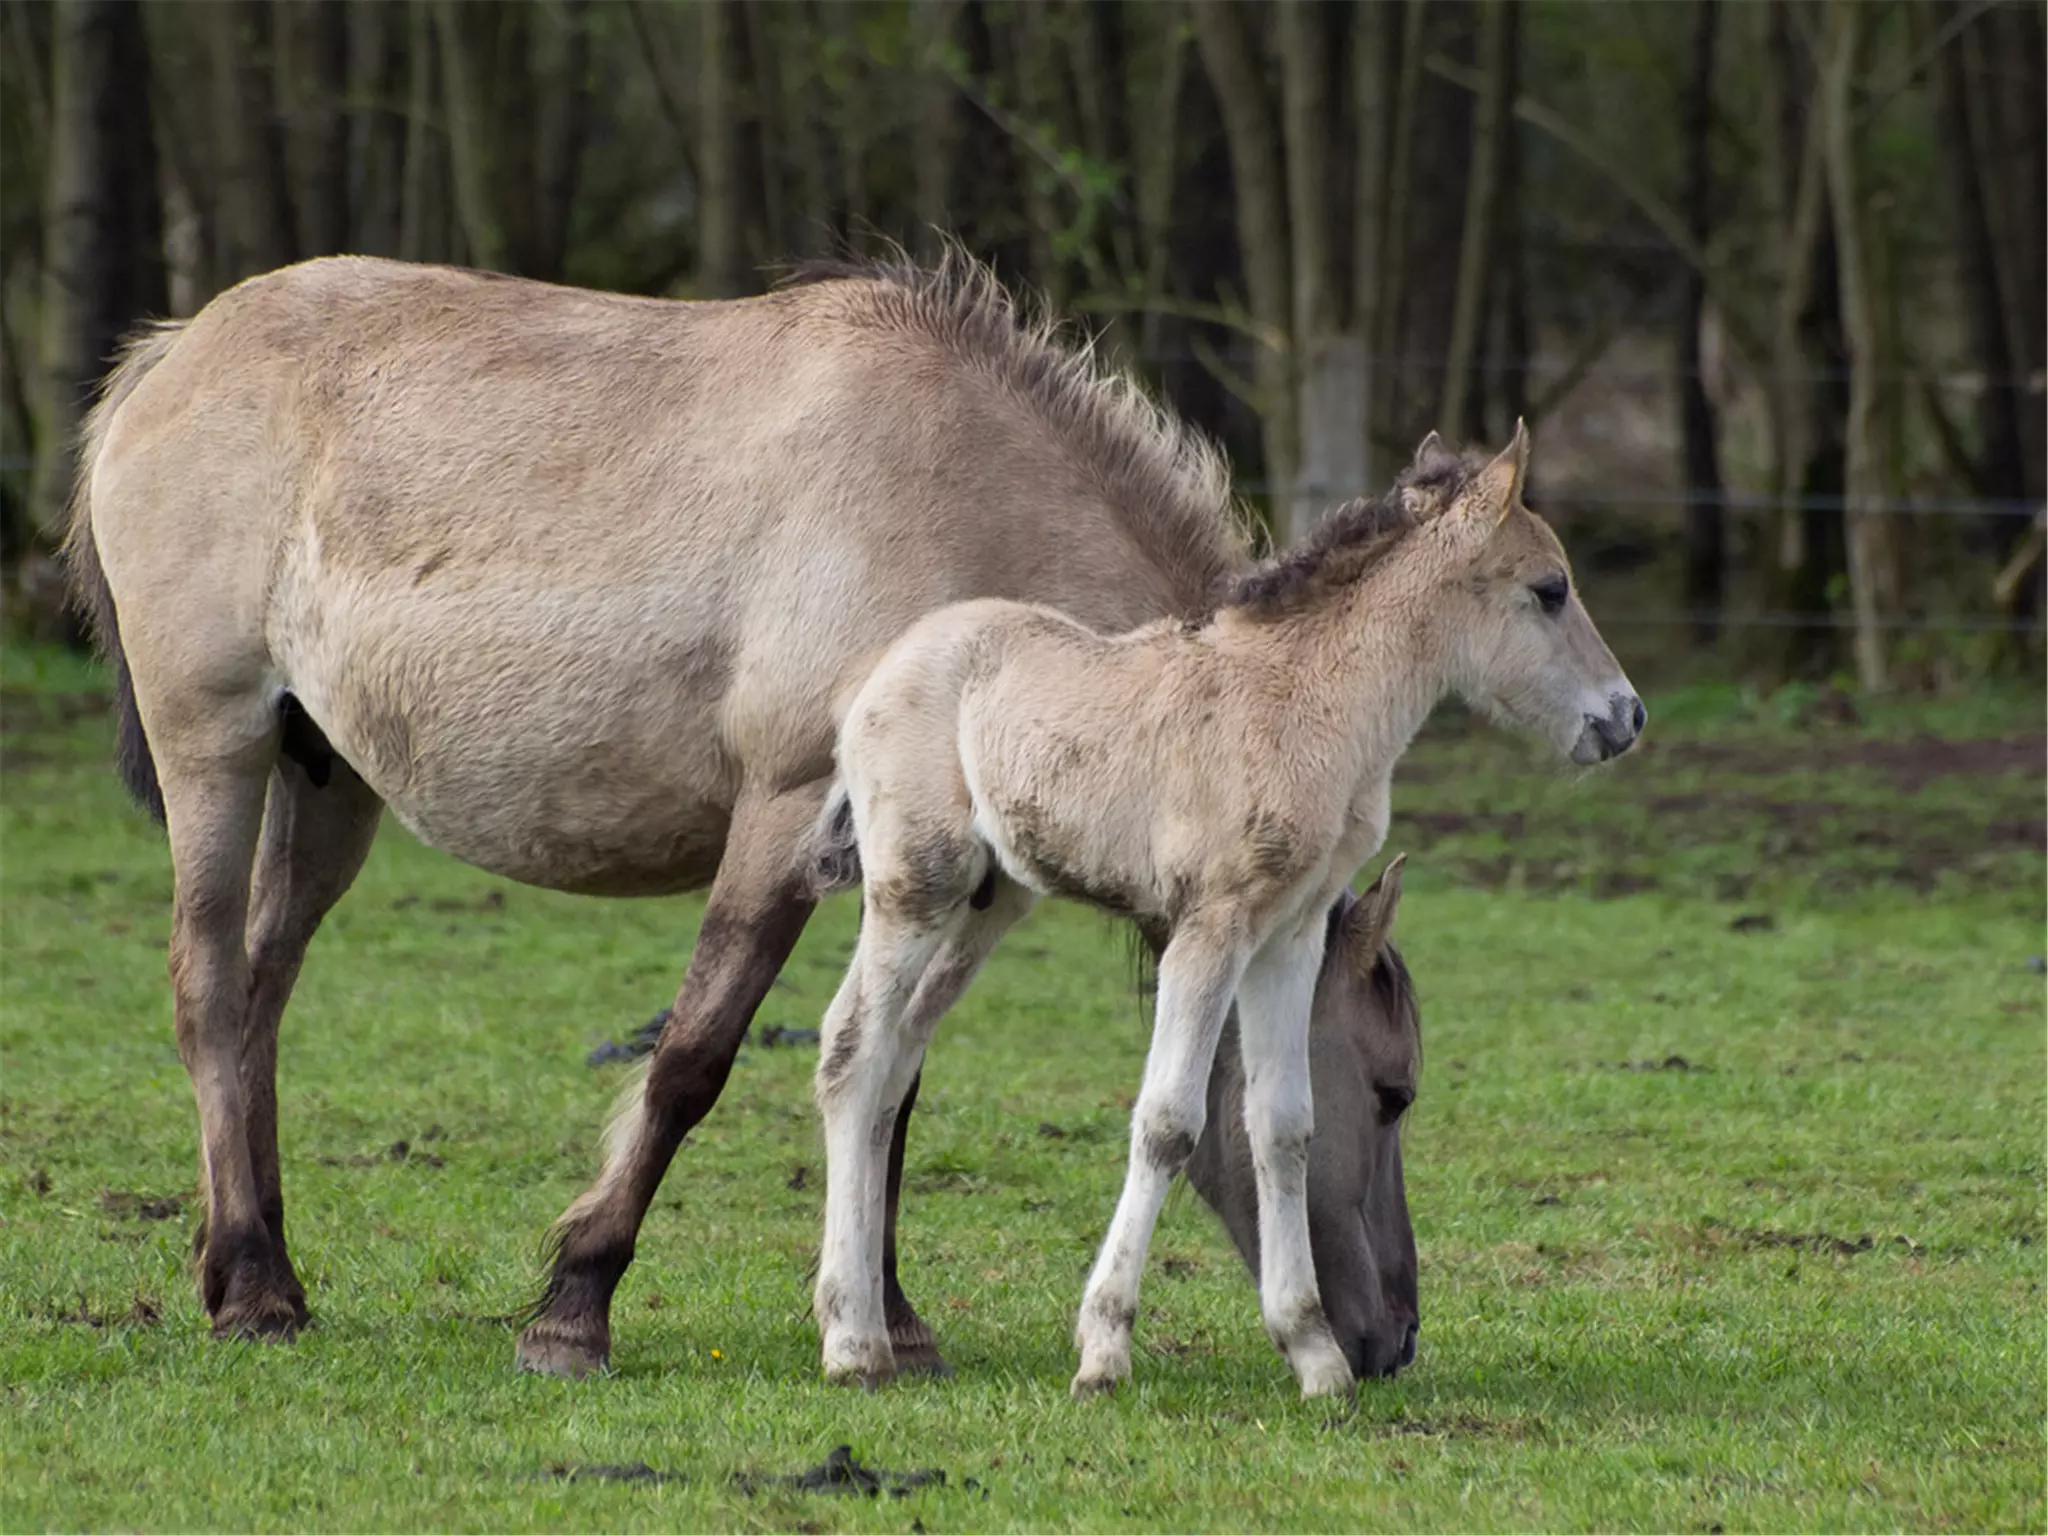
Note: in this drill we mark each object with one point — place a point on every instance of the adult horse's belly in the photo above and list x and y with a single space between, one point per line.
569 739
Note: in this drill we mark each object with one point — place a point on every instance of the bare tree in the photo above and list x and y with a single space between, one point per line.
103 224
1705 580
1872 430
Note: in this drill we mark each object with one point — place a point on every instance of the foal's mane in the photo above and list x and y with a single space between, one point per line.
1164 482
1351 540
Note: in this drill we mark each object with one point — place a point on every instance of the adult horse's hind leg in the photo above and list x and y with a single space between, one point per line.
213 773
758 906
314 841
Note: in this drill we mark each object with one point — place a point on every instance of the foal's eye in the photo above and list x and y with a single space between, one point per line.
1551 592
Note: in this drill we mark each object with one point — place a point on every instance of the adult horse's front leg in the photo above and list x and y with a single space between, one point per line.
758 906
1273 1004
911 1338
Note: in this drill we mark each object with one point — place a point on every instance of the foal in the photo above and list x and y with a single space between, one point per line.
1221 783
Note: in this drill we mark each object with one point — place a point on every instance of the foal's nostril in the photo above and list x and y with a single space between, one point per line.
1409 1339
1639 718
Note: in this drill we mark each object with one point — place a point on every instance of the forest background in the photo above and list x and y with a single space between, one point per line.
1766 278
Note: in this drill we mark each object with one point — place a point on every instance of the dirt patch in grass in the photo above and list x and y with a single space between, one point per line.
142 1313
130 1206
1911 764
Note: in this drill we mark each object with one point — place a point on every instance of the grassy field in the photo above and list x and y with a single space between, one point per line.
1727 1174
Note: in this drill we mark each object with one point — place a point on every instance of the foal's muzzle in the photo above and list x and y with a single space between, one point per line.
1613 733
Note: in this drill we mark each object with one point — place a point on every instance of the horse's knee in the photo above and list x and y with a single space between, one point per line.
1168 1131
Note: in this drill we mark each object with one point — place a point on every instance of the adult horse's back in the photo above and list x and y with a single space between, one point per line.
576 584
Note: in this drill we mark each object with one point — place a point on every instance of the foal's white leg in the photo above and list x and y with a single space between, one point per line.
1273 1003
871 1047
1197 975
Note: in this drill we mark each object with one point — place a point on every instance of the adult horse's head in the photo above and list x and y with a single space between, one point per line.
1365 1049
1523 647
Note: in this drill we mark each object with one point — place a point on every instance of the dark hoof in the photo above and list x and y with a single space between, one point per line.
921 1360
272 1318
916 1349
548 1349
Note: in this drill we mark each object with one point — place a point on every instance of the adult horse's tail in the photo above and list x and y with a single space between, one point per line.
141 352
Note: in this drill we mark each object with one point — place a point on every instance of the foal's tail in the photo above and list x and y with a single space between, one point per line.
831 859
142 351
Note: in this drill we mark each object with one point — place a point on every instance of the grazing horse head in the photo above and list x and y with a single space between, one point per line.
1523 649
1365 1046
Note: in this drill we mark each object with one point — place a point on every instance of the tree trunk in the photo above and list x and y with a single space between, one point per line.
1511 362
1156 65
1234 61
313 92
256 227
103 264
1872 430
1705 586
1808 389
377 80
1475 247
721 208
937 24
561 73
1373 105
1389 338
423 199
1330 374
491 115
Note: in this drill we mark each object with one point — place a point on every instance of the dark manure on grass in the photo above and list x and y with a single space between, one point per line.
842 1473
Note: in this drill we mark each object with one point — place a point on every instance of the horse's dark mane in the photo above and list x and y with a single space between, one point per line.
1164 482
1351 539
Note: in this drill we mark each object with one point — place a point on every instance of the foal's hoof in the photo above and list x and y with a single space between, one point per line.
551 1349
860 1363
1096 1381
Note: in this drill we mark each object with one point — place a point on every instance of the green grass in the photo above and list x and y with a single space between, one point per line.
1796 1285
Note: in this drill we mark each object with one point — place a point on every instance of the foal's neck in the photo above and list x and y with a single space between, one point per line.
1383 666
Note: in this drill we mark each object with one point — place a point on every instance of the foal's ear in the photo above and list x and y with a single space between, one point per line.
1370 922
1498 487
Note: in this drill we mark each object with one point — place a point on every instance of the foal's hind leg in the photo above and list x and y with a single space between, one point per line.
315 839
872 1048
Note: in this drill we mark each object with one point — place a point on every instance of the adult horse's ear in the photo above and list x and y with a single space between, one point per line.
1370 921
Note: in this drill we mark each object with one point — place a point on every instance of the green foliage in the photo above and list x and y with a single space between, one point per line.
1723 1223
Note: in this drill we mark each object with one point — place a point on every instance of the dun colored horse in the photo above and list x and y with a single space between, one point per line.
1220 782
579 585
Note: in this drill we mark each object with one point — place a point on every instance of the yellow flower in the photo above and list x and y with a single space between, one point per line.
717 1354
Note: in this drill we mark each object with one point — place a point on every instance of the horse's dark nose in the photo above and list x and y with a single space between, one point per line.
1618 729
1408 1342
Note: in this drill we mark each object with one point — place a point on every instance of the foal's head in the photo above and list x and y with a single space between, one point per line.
1521 646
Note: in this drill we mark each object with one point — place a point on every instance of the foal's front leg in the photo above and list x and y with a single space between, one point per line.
1273 1003
1198 973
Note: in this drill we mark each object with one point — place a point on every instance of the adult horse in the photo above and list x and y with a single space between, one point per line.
578 585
